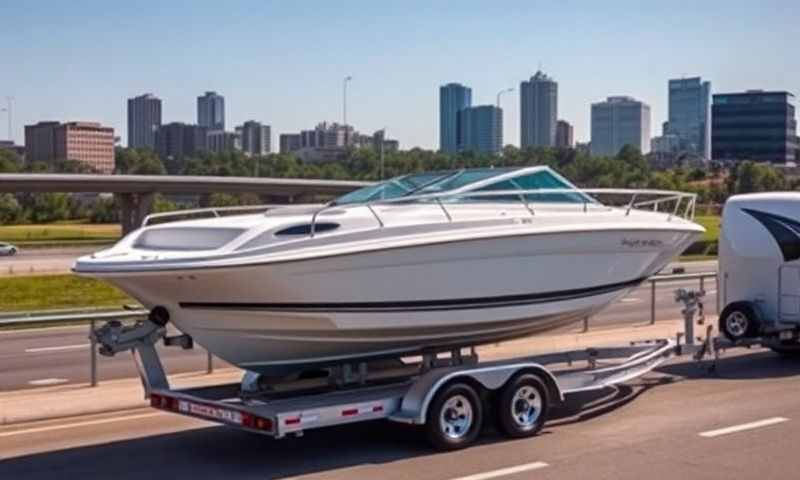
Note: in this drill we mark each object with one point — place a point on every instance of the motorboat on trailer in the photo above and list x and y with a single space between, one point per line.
420 263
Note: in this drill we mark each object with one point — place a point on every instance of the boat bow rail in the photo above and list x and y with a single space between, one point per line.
674 203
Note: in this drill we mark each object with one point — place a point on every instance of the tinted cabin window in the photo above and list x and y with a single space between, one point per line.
306 229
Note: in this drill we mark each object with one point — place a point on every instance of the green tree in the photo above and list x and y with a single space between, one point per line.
10 210
138 161
9 161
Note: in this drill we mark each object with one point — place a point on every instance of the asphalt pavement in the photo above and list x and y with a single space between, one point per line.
36 261
680 421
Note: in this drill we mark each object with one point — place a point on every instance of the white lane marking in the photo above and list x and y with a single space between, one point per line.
630 300
57 349
48 381
77 424
745 426
504 471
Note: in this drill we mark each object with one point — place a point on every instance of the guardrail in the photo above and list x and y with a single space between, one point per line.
677 277
134 314
92 318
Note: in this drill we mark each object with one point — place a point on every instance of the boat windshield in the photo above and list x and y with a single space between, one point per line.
418 184
445 181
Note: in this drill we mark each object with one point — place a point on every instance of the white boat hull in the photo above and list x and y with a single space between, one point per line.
275 318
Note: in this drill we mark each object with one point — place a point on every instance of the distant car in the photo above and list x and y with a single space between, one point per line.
6 249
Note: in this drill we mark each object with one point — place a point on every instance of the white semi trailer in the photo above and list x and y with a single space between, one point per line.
759 268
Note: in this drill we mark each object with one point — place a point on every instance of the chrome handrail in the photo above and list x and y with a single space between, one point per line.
588 195
213 211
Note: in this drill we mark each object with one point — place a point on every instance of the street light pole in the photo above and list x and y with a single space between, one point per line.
501 92
344 108
8 111
383 140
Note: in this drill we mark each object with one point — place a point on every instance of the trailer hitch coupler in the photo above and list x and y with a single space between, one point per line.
159 315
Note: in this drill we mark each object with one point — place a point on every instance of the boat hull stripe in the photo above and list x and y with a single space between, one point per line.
421 305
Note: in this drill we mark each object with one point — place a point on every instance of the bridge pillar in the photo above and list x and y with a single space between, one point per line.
133 208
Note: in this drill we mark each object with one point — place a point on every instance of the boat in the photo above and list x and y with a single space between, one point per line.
419 263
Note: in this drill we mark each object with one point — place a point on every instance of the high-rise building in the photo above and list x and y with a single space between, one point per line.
754 125
40 142
565 134
289 142
256 138
689 110
538 107
176 141
211 111
481 129
87 142
667 143
453 98
144 119
617 122
327 135
221 141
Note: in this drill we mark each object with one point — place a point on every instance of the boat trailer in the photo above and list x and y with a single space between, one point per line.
448 394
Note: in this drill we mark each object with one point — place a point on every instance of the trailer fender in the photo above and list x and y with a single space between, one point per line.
414 406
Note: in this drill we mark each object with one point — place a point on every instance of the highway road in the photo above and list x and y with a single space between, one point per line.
33 261
44 357
677 422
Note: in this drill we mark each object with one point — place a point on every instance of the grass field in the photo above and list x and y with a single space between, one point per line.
57 291
58 233
711 223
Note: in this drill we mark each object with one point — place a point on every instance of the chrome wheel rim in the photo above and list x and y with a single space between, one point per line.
526 407
456 417
736 324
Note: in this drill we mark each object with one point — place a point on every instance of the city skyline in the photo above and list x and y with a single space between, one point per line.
110 59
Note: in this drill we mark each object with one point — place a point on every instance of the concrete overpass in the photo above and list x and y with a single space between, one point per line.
134 193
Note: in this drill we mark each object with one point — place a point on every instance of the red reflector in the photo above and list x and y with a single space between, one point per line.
248 420
377 408
350 412
155 400
292 421
263 424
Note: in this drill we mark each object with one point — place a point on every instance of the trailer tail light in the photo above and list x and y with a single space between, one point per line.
350 412
163 402
263 424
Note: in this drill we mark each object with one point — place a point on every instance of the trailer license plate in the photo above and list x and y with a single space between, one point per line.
208 411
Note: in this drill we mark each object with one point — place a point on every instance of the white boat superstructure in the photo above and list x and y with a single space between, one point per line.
419 263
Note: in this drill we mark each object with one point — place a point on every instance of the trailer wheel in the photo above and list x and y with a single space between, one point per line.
522 406
738 320
455 417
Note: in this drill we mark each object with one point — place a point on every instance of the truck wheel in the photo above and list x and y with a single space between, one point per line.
522 406
738 320
454 417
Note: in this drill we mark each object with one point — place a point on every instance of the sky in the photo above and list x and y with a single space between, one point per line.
283 62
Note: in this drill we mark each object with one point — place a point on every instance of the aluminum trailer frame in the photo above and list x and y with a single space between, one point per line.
405 398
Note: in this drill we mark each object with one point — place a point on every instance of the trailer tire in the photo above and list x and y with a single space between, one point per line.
739 320
522 406
455 417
